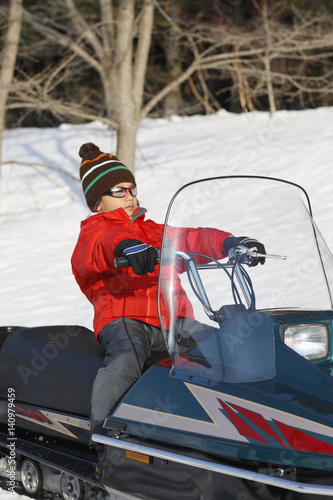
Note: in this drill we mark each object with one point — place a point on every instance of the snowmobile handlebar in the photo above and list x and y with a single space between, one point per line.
237 257
122 261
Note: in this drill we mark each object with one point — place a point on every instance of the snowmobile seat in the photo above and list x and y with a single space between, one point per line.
51 367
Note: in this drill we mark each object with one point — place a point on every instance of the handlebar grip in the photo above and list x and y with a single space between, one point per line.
121 262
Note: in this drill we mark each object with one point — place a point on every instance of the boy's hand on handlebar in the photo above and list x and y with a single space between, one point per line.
257 247
141 257
250 243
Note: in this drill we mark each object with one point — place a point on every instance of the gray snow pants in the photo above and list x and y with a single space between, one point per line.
127 343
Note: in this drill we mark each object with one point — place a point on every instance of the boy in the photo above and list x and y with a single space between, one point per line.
126 318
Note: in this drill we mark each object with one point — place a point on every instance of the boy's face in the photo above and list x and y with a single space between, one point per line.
109 203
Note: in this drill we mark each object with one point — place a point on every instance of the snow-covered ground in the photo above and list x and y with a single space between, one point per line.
5 495
41 208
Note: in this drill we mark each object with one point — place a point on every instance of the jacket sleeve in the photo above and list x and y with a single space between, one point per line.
94 251
202 240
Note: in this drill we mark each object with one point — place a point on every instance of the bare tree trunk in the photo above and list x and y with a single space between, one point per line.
124 105
9 54
173 101
244 90
108 37
269 83
129 72
267 57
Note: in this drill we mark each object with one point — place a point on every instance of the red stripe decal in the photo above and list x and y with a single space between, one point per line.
302 441
259 420
243 428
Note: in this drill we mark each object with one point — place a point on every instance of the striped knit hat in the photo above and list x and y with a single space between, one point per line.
100 172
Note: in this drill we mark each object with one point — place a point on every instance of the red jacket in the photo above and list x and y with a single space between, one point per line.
117 293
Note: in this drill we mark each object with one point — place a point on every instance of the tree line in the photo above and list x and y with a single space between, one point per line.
119 61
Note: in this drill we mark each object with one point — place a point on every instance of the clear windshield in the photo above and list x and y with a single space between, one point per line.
240 348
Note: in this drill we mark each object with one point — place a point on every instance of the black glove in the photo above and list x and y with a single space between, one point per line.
233 241
141 257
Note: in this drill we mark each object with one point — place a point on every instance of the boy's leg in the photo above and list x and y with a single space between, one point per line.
156 339
191 333
126 343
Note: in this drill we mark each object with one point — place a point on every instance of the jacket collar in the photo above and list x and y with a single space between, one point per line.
118 215
138 214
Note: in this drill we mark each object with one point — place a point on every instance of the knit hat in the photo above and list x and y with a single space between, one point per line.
99 172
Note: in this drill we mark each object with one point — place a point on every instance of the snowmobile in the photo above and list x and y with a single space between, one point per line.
243 411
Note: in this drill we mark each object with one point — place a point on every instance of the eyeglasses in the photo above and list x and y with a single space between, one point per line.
121 192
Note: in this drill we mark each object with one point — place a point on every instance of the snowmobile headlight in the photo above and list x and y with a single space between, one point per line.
310 340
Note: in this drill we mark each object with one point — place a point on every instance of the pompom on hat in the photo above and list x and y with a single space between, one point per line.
99 172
